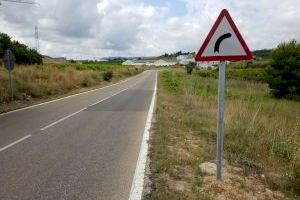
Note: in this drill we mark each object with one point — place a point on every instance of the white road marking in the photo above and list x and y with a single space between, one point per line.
109 97
15 142
138 179
70 115
113 95
29 107
62 119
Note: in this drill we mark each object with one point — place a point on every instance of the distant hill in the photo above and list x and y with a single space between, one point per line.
48 59
174 55
263 54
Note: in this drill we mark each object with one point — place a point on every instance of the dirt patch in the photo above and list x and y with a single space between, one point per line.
236 186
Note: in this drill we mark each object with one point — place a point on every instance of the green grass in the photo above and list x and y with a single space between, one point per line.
260 131
243 70
249 64
254 74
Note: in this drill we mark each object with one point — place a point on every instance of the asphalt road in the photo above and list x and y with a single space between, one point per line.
82 147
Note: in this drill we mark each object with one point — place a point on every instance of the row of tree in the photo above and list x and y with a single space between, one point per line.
23 54
263 54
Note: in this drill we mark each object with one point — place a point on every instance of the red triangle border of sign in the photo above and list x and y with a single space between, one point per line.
248 55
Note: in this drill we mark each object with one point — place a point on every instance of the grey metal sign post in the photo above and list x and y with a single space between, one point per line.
215 49
221 93
9 63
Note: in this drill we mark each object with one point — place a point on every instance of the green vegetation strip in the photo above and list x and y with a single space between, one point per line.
36 82
255 74
262 134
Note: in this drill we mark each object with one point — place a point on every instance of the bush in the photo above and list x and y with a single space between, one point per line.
296 180
190 67
107 75
283 75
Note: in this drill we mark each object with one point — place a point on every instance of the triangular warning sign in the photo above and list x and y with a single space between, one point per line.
224 42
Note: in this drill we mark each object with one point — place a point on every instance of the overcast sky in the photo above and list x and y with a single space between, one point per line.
99 28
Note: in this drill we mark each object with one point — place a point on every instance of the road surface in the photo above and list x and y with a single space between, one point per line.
81 147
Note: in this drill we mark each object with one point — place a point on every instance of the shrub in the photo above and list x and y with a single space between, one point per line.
283 75
107 75
296 180
190 67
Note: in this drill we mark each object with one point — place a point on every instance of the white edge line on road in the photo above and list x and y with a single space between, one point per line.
138 179
70 115
25 108
15 142
62 119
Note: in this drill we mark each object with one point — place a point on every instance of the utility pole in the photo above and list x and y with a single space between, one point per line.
36 35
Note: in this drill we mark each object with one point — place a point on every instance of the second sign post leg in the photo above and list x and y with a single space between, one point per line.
10 86
221 93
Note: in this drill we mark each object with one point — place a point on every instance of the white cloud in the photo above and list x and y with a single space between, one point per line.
96 28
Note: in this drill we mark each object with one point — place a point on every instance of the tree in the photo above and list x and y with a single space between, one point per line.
283 75
5 43
23 54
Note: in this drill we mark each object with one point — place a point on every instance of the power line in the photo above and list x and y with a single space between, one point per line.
19 1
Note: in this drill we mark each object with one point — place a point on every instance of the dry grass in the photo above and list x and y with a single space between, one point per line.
41 82
262 135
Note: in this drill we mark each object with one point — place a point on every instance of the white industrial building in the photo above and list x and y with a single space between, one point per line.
157 63
162 62
136 62
207 64
128 62
185 59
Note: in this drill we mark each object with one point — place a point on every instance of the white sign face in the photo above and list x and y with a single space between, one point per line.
224 42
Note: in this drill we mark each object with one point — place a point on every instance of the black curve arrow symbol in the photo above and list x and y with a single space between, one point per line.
219 40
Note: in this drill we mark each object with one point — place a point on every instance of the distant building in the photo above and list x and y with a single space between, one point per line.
185 59
128 62
159 62
207 64
162 62
137 62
